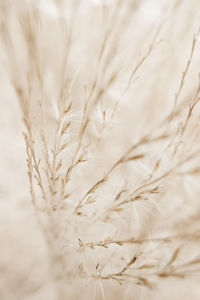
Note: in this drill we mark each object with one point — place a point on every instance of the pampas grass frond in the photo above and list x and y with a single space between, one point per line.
109 93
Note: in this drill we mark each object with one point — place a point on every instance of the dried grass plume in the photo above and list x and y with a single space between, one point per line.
100 150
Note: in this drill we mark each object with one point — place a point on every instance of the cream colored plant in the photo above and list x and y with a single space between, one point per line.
109 93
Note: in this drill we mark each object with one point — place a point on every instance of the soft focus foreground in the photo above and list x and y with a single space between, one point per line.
100 150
